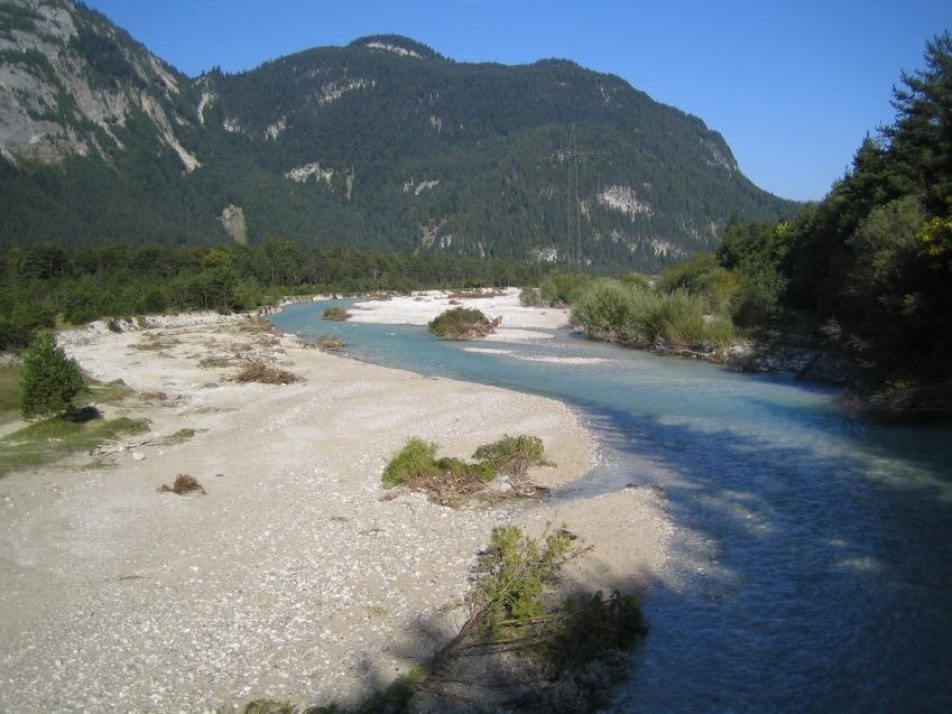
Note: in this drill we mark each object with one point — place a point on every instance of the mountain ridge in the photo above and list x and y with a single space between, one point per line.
383 143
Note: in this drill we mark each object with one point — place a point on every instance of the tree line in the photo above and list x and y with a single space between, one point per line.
46 284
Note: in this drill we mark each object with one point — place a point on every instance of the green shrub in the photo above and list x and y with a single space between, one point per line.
514 573
513 454
560 289
450 481
415 461
681 320
461 323
49 380
591 625
531 297
634 315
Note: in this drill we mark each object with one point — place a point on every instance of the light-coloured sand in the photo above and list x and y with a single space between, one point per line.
291 579
519 323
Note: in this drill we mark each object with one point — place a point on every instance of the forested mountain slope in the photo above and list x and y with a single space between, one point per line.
383 144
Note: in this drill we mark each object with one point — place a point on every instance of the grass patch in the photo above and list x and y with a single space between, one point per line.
108 392
264 373
53 439
462 323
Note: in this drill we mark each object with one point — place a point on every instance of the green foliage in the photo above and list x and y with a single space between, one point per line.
561 289
49 380
396 697
514 574
82 283
461 323
873 256
9 393
531 297
414 462
513 454
592 625
630 314
21 321
449 481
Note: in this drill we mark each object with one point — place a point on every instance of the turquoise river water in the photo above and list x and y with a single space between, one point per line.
811 567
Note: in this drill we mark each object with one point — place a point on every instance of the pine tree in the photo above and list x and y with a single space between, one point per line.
49 380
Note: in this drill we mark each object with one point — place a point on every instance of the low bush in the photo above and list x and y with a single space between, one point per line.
414 462
562 289
462 323
514 454
449 481
47 441
531 297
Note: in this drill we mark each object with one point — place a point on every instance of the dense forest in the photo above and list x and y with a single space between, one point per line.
46 283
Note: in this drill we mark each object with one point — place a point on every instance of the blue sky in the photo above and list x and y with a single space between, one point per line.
792 85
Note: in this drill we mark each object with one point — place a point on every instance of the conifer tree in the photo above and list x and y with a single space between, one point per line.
49 380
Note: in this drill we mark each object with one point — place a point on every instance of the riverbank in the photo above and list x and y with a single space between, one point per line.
292 579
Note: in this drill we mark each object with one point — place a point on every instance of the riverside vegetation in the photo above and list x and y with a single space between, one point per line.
864 274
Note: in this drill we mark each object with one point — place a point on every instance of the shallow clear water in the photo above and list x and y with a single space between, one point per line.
811 567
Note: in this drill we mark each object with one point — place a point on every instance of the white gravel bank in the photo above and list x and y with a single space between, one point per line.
291 579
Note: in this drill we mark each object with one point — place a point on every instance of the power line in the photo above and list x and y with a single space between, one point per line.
574 156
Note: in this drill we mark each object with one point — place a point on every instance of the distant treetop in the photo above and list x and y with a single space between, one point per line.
398 44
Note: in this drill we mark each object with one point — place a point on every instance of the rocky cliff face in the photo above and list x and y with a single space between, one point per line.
71 82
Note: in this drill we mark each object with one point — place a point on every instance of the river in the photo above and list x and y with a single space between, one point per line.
811 567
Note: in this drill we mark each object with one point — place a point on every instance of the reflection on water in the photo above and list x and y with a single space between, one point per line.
811 567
